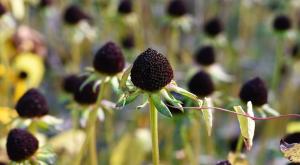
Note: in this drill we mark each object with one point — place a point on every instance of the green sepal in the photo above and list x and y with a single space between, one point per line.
88 80
128 98
125 78
160 105
182 91
172 99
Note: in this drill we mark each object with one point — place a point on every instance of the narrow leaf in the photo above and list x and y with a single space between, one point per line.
88 80
247 125
128 98
172 100
160 105
125 78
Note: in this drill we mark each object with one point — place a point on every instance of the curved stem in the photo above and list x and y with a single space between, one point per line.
154 133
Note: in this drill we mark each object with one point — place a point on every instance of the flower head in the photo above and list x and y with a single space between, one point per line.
176 8
213 27
125 7
73 15
282 23
71 83
87 94
21 145
32 104
224 162
201 84
205 56
109 59
151 71
255 91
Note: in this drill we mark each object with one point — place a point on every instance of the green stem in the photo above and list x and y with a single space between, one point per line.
278 64
154 133
91 132
239 145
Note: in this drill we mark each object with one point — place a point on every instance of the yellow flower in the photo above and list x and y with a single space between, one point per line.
29 70
6 115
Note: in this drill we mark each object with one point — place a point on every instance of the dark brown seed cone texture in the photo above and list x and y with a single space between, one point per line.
21 145
32 104
109 59
151 71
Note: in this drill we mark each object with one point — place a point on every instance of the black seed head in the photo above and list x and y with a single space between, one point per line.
71 83
224 162
109 59
201 84
21 145
45 3
86 95
255 91
73 15
213 27
2 9
176 8
151 71
128 42
282 23
293 138
32 104
125 7
22 75
205 56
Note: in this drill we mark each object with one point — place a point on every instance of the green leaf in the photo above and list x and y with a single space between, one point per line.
128 98
125 78
247 125
173 87
207 114
171 99
160 105
88 80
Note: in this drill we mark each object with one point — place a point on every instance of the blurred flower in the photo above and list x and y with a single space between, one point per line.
32 104
109 59
128 41
125 7
73 15
27 39
7 115
282 23
201 84
213 27
176 8
29 70
256 92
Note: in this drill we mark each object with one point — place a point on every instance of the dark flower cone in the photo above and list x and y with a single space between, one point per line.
213 27
32 104
176 8
71 83
151 71
205 56
255 91
21 145
109 59
73 15
201 84
86 95
282 23
125 7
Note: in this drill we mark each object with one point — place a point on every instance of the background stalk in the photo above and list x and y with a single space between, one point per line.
278 63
